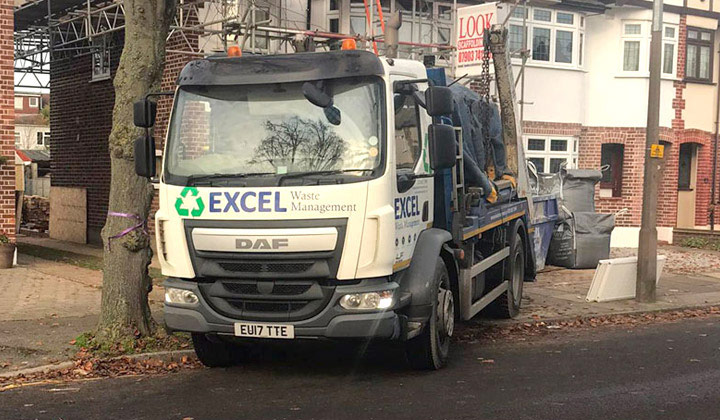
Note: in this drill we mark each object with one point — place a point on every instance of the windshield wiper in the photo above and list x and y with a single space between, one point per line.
327 172
193 179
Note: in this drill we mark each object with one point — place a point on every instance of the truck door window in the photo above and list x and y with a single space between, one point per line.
407 132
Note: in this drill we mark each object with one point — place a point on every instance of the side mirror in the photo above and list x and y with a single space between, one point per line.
145 156
144 113
441 141
438 101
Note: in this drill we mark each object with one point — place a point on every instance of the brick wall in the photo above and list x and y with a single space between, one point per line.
7 117
80 123
590 142
81 120
26 108
174 63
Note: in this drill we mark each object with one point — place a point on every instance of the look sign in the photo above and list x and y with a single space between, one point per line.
472 23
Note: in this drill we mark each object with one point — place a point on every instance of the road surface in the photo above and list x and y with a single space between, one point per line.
660 371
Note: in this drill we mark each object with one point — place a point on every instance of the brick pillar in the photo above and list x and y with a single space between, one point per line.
7 121
678 103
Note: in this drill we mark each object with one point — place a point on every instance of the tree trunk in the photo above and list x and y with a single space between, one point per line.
126 284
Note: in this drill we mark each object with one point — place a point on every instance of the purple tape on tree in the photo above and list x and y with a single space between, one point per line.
142 224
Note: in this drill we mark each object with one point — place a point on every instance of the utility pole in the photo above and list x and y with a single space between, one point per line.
647 250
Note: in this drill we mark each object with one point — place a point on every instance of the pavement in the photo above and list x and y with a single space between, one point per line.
45 304
660 371
691 278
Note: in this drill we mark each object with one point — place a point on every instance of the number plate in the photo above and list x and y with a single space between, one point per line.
251 329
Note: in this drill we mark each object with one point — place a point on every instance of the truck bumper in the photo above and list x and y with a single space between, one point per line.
332 322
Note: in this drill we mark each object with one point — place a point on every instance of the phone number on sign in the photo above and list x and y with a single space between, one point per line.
470 56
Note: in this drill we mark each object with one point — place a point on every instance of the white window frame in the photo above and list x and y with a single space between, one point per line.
101 55
674 42
644 57
21 101
576 28
642 39
570 155
18 139
33 102
43 137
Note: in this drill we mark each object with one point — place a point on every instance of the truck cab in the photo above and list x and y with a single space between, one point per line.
298 199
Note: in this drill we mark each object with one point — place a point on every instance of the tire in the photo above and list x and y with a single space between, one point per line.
507 305
430 349
213 352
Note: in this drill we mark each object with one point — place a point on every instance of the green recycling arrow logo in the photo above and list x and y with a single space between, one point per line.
180 203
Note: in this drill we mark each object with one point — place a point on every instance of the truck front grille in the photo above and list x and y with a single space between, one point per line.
268 300
266 267
269 307
281 289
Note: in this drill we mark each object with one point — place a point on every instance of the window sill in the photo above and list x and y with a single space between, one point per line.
99 79
639 75
699 81
686 189
610 198
535 64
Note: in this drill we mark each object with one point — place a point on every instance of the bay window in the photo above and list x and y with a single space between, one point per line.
516 35
550 154
563 46
553 37
541 44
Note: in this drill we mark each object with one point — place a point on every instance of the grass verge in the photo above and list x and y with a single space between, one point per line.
86 344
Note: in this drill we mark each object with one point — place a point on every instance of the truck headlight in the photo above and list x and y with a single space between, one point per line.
175 296
367 301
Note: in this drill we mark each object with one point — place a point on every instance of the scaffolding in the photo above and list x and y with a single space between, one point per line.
47 30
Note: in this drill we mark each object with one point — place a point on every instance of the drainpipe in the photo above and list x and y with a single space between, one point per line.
713 200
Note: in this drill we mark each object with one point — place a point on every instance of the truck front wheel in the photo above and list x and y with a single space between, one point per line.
213 352
430 349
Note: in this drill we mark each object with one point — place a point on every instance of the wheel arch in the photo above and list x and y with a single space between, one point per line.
417 279
520 226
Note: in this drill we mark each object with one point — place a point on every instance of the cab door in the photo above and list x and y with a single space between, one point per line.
413 193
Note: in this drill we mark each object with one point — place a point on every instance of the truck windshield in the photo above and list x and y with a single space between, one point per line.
260 131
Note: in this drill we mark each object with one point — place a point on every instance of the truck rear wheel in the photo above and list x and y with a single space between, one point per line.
430 349
507 305
213 352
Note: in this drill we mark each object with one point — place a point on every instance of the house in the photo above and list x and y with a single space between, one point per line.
32 125
585 103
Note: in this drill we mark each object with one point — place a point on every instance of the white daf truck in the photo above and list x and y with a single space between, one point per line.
318 196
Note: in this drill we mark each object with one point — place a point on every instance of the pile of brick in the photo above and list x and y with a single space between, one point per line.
36 213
